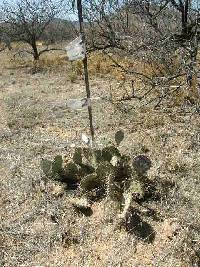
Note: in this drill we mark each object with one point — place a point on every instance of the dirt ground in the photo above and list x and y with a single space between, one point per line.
39 226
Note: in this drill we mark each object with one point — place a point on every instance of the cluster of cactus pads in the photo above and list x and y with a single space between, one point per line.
99 173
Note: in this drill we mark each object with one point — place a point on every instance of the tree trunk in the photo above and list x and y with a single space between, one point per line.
35 51
184 14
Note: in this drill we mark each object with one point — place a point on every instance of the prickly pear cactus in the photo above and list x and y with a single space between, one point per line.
77 157
103 173
119 136
57 165
91 182
46 166
53 169
110 151
71 172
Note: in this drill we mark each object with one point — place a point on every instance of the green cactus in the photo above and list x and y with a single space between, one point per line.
87 154
71 172
57 164
86 169
110 151
123 172
53 169
104 169
92 156
98 155
105 172
77 157
46 166
119 136
91 182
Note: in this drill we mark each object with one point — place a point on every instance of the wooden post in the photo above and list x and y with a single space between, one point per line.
85 64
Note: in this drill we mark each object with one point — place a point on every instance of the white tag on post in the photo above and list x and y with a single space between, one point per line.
76 49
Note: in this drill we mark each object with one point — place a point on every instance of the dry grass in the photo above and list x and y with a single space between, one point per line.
101 66
39 226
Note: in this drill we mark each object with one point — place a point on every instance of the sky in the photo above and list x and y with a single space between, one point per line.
69 16
74 17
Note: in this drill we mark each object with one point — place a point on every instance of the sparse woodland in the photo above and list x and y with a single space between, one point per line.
131 197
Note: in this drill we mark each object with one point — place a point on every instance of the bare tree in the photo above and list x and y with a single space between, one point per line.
27 20
189 36
162 34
